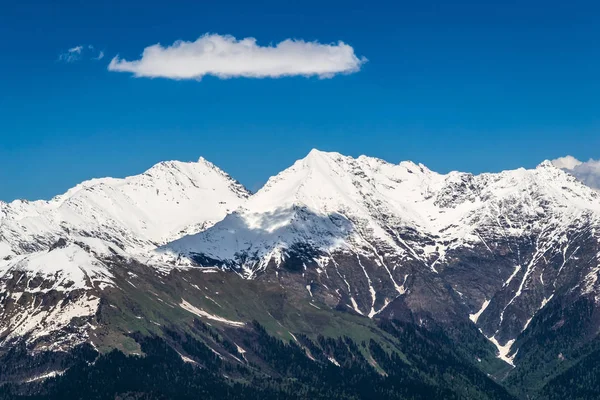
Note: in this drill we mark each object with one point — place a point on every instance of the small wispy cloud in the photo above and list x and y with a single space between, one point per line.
224 56
73 54
588 172
79 52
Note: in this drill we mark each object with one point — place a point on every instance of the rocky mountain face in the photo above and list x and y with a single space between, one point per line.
57 257
405 242
505 264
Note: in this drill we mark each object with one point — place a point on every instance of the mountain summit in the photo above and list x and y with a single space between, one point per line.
496 261
169 199
58 249
376 236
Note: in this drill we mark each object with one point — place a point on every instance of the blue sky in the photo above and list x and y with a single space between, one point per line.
454 85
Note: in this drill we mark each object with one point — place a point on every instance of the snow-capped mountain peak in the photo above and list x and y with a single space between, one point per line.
377 195
66 246
161 204
357 233
330 205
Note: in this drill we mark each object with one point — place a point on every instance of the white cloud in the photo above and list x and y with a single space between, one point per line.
73 54
567 162
227 57
587 172
76 53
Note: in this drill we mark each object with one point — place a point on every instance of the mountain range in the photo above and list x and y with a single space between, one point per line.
349 262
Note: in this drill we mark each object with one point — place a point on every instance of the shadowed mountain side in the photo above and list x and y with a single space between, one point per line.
247 243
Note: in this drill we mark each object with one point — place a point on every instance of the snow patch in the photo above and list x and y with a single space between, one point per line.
475 317
201 313
504 350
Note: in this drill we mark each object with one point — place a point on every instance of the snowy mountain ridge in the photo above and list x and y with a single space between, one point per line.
63 247
360 234
374 235
142 210
450 209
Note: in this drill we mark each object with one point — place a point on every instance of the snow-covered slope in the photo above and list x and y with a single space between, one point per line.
362 234
369 233
163 203
54 255
333 201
